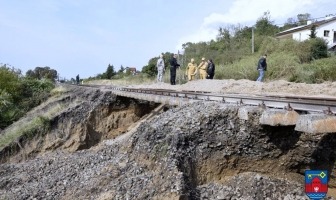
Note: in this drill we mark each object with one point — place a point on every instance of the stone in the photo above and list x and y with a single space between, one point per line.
246 112
316 123
276 117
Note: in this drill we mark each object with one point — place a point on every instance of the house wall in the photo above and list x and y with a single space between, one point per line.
331 27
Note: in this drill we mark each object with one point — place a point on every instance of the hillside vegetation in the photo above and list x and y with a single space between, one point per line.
19 93
290 60
236 51
287 60
235 58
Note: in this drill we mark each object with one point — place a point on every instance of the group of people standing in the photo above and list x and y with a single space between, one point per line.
206 69
160 66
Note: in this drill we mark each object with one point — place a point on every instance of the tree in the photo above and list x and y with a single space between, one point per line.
312 32
223 39
109 72
319 48
303 18
122 69
150 69
291 23
42 73
19 94
9 82
264 25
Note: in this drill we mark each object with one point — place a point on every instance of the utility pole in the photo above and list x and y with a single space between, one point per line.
252 40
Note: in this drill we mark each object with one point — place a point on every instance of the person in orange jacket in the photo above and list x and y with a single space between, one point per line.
202 68
191 70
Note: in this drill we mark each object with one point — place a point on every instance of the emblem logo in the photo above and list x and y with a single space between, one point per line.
316 183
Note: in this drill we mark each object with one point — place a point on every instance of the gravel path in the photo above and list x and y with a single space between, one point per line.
280 87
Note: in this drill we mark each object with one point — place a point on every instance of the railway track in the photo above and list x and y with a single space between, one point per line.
309 104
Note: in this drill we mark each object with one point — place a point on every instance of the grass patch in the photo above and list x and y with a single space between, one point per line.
39 124
317 71
58 91
28 129
285 63
127 80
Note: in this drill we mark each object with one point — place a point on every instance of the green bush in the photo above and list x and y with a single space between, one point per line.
317 71
281 66
244 69
19 94
10 82
287 59
303 51
319 48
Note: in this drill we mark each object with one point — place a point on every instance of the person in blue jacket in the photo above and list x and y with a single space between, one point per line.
262 67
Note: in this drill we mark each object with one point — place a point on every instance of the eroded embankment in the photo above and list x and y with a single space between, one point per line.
210 144
197 151
79 119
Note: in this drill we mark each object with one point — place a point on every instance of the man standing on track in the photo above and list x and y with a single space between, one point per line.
202 68
211 69
173 66
160 66
262 67
77 79
191 70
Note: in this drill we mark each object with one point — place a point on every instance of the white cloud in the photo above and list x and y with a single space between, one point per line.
204 33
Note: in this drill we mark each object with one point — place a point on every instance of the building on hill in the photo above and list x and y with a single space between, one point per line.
325 29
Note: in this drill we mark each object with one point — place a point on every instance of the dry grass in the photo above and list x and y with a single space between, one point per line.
58 91
36 125
30 126
128 80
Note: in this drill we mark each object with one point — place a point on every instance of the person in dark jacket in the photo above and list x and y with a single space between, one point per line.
211 69
262 67
173 66
77 79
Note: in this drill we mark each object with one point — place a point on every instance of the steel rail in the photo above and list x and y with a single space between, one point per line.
326 105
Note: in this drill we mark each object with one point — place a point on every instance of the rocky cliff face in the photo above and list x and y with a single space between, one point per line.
197 151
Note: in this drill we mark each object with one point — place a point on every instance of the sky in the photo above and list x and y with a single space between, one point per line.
85 36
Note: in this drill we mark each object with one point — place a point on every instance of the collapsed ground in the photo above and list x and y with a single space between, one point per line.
198 151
